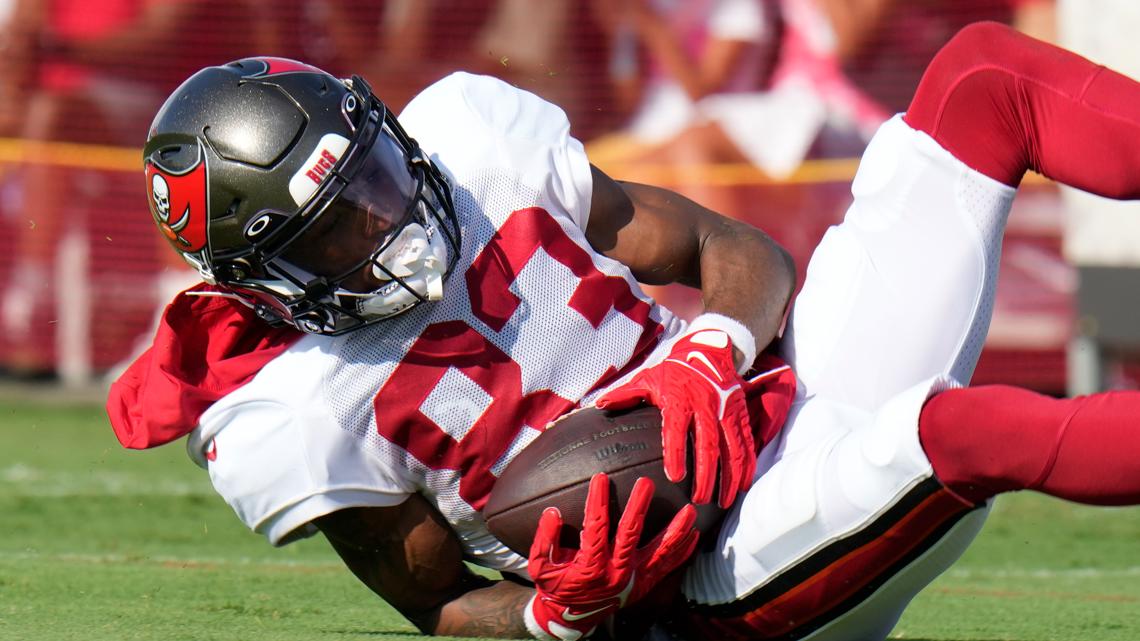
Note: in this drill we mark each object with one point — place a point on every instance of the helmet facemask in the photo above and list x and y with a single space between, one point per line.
377 238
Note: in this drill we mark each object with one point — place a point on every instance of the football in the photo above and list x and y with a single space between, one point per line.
555 470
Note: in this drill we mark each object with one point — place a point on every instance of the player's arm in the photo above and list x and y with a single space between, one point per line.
746 280
410 557
664 238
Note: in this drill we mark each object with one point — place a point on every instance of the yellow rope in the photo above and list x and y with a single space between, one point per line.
732 174
109 158
69 154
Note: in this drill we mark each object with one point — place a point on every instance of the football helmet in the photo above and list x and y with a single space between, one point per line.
299 194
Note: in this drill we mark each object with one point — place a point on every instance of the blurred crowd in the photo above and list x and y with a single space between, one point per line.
668 87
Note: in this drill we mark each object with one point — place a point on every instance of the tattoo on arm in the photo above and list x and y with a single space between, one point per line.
494 611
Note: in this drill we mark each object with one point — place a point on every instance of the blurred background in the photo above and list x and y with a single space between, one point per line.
756 108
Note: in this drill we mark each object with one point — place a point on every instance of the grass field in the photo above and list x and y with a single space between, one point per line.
97 543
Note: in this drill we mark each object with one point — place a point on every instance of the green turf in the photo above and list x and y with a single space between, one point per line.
101 544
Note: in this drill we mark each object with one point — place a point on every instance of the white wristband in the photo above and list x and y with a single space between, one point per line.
742 339
532 625
557 632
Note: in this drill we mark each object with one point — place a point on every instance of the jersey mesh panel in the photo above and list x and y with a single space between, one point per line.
987 205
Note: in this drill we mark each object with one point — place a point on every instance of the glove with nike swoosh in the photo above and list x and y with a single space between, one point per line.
697 386
575 590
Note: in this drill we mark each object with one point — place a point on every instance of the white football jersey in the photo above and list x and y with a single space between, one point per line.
439 400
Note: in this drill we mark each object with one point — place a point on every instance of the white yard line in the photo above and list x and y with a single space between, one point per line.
1043 573
19 479
113 559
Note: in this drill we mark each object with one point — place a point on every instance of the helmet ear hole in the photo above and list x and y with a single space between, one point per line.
176 158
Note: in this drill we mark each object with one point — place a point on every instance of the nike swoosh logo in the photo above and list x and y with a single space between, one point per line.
570 616
705 359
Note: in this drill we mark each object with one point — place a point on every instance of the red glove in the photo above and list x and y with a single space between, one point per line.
578 589
697 385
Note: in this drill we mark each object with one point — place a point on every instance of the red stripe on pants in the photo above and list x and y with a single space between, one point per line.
825 590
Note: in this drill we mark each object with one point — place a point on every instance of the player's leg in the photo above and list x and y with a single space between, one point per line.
1005 103
897 293
912 269
986 440
837 536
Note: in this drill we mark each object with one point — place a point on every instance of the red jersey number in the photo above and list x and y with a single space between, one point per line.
455 345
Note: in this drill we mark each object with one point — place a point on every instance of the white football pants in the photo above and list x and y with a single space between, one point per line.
845 522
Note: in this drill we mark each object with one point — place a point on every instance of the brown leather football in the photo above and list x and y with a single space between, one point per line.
555 471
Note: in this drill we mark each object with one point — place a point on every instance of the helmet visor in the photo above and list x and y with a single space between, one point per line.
342 241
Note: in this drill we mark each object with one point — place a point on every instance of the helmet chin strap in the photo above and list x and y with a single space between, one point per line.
418 257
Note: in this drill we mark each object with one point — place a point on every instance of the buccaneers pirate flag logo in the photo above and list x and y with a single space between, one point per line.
178 203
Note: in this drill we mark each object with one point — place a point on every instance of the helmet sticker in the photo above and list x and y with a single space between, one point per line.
317 167
178 204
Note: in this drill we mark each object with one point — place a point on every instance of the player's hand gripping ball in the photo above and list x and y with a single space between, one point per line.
555 470
699 391
577 588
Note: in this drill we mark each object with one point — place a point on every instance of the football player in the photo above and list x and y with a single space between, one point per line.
429 303
456 291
